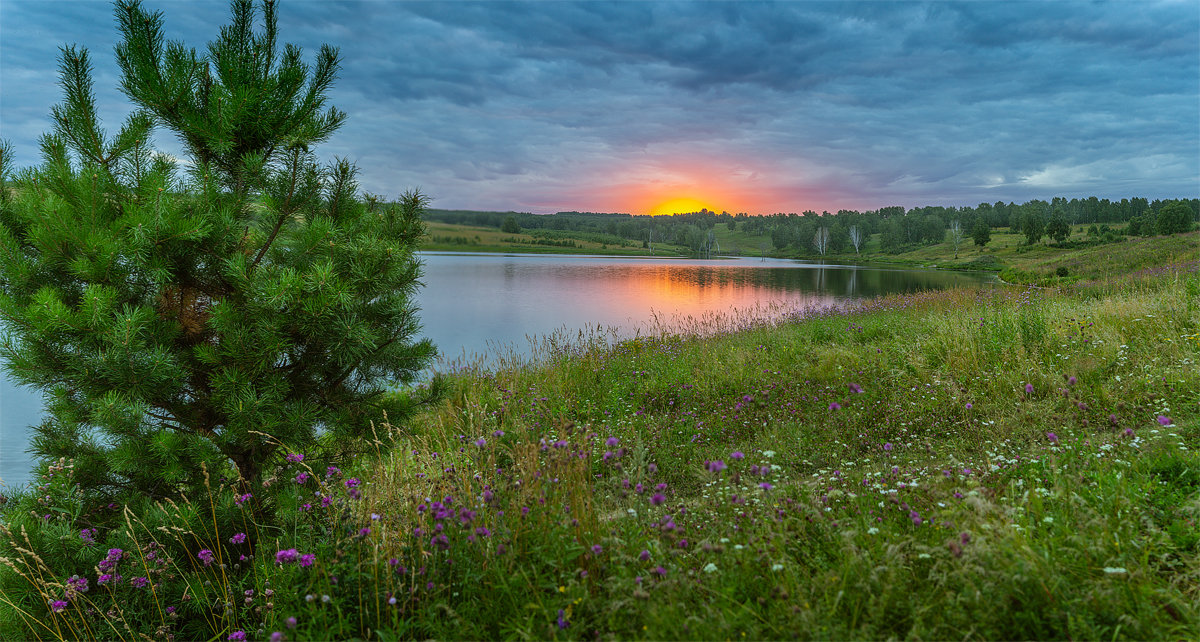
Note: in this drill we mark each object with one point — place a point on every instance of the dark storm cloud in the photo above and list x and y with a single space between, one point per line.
545 106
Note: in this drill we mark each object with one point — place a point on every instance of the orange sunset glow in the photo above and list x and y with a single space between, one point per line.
679 206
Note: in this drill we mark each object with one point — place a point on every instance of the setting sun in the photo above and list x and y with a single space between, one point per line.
678 206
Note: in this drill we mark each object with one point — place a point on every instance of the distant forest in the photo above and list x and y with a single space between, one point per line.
845 232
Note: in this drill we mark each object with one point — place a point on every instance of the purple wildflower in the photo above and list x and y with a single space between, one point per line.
737 455
286 556
307 559
242 499
1029 388
481 442
969 406
716 466
88 535
139 582
856 389
238 538
1052 437
835 406
597 549
888 446
644 555
290 622
295 458
657 499
237 636
206 556
332 470
1071 380
58 605
302 478
612 442
660 571
766 486
1164 420
77 584
562 621
277 636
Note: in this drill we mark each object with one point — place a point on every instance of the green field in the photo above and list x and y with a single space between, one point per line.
1007 252
972 464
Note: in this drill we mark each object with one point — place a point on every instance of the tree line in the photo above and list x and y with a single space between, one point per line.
846 231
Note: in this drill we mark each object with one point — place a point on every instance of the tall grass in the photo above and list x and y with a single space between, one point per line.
973 464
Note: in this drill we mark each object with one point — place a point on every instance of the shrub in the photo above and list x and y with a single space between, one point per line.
174 322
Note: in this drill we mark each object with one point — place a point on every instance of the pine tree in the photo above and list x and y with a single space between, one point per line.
253 305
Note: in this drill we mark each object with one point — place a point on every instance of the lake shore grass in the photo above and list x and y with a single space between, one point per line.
1007 253
1007 463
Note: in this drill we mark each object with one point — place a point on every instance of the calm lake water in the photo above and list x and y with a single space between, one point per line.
475 304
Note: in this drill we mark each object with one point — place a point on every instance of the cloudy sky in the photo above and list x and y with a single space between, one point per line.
755 107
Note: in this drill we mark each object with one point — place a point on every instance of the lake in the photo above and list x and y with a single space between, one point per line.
477 304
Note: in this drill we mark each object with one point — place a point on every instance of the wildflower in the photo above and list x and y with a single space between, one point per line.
206 556
766 485
856 389
237 636
332 470
710 568
307 559
1029 388
652 468
872 531
888 446
562 621
295 458
481 442
57 606
1071 380
108 578
737 455
76 584
238 538
290 622
612 442
660 571
716 466
498 433
364 531
286 556
277 636
597 549
657 499
915 517
969 406
302 479
1164 420
88 535
1052 437
768 453
139 582
835 406
242 499
644 555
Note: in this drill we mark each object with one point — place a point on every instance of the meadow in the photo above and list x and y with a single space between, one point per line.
1008 463
1007 253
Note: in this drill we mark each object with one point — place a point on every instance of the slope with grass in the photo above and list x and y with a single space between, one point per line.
1000 464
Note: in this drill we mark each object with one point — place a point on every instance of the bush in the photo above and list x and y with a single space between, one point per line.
213 319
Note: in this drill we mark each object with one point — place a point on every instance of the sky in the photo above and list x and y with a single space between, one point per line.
652 107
